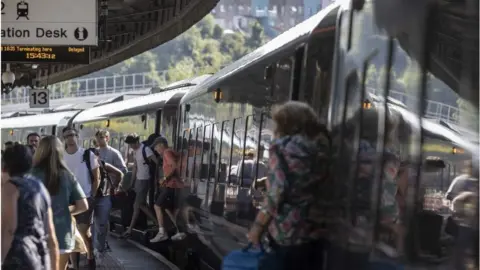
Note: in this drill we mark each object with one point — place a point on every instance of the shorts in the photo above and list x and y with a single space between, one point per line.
170 198
141 191
87 216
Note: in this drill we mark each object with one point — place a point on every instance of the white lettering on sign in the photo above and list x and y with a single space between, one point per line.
49 22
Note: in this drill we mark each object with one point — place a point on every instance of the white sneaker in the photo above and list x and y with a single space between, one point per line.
161 236
179 236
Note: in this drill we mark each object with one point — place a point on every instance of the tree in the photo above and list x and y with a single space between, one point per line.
257 36
203 48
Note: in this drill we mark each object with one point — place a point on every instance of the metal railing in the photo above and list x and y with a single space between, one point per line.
92 86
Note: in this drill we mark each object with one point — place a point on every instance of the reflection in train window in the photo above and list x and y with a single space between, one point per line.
214 151
183 146
191 155
283 79
197 160
236 150
246 168
224 151
207 134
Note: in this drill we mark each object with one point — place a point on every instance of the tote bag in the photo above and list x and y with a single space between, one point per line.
80 246
243 259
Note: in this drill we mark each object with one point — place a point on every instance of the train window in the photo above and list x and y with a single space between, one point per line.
283 79
236 150
215 145
246 171
114 142
207 134
182 148
197 158
223 143
151 122
191 155
225 151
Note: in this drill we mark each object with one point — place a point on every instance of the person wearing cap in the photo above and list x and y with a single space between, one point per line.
141 175
172 186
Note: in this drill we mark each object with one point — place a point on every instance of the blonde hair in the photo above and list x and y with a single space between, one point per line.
296 118
49 158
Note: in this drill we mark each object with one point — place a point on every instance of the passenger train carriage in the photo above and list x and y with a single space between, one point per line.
213 121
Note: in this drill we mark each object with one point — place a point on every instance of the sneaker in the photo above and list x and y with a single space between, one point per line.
161 236
179 236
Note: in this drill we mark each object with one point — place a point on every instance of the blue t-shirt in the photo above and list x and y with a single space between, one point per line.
69 191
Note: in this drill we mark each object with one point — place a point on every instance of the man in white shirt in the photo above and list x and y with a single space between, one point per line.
88 176
141 178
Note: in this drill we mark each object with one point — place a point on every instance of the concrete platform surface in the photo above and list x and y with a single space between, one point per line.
125 255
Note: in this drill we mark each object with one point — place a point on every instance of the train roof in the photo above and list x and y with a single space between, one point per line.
139 105
292 37
37 120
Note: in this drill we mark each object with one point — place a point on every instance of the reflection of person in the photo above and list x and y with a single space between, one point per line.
292 222
465 214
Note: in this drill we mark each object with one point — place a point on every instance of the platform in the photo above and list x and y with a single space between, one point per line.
126 255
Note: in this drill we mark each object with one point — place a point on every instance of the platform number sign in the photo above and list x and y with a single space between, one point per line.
39 98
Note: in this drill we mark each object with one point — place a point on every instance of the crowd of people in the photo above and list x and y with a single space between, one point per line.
57 196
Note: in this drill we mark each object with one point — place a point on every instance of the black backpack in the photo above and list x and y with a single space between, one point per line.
103 172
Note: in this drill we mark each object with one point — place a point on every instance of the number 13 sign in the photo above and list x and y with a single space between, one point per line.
39 98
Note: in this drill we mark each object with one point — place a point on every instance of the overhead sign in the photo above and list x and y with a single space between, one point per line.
39 98
44 54
49 22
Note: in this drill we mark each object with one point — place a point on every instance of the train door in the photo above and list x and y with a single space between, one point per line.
382 169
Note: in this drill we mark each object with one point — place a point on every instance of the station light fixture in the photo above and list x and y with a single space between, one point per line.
8 78
217 95
367 104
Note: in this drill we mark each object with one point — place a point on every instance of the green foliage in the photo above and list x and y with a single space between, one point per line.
204 48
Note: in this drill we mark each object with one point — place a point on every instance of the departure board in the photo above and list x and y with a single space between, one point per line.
46 54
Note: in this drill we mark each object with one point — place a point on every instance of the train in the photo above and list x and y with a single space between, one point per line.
215 119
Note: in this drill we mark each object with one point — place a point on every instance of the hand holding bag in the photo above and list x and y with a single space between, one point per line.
244 259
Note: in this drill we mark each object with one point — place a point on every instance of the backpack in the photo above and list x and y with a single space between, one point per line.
86 159
152 168
103 171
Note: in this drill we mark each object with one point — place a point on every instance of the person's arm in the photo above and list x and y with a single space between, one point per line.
78 196
9 216
275 189
134 173
113 170
96 173
52 241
